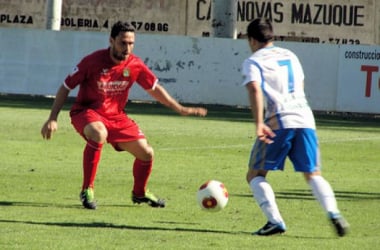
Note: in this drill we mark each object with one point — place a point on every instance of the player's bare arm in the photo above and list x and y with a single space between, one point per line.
162 96
51 124
263 132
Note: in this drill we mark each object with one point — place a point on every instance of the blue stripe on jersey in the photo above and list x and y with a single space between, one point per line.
279 121
269 100
262 81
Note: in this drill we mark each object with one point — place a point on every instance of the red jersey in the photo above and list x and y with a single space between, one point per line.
103 85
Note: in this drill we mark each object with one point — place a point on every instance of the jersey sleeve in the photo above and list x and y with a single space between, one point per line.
146 78
77 76
251 72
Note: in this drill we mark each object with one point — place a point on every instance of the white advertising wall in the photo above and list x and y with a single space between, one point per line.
194 70
359 79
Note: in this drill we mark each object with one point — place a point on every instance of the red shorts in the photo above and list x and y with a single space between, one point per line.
120 127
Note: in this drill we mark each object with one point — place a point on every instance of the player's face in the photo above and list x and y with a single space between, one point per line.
122 45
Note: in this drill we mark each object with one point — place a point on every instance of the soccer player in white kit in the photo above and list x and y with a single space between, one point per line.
274 79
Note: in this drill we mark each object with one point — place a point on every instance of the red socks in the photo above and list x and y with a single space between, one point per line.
141 173
91 158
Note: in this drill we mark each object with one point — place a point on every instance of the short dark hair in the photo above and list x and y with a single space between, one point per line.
121 27
260 29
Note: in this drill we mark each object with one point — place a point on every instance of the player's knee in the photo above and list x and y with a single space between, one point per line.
145 154
248 177
96 133
149 154
101 135
309 176
252 173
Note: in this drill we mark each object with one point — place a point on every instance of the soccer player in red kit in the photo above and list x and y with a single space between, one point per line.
104 79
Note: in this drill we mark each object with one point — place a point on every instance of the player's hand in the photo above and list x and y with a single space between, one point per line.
265 133
48 128
194 111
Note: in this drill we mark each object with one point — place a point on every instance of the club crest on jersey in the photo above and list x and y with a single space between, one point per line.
126 72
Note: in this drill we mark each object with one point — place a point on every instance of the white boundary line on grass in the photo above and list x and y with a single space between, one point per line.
340 140
205 147
374 138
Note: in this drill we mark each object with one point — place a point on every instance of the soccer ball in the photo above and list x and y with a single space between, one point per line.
212 196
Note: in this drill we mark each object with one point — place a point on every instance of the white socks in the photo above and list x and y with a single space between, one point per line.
324 194
264 195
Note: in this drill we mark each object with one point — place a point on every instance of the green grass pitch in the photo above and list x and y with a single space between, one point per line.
40 183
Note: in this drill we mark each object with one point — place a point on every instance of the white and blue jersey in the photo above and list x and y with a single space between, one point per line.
281 77
287 113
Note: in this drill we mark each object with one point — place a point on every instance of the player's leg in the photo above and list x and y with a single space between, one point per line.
88 124
96 135
309 163
125 135
265 198
265 157
142 168
325 195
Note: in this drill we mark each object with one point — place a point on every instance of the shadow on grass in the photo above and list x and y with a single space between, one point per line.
41 204
105 225
145 228
300 194
35 204
127 227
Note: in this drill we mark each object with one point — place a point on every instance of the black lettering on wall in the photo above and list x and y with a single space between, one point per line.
327 14
16 19
248 10
79 22
201 4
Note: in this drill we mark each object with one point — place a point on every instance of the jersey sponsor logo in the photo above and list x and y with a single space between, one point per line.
112 87
292 102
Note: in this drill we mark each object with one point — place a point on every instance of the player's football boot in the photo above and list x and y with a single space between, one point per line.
148 198
270 229
87 198
340 224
